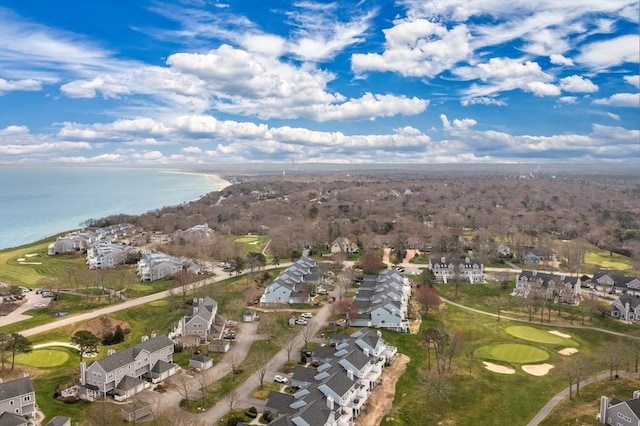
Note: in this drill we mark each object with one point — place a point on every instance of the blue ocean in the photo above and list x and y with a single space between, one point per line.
38 202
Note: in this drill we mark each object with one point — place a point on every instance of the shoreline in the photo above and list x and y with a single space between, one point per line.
218 180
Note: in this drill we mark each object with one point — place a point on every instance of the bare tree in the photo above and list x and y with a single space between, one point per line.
308 332
499 302
614 357
261 369
428 297
289 344
232 399
233 361
184 387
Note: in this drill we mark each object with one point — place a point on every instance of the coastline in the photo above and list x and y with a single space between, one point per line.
218 180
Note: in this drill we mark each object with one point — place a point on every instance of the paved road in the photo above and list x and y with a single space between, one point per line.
549 406
65 321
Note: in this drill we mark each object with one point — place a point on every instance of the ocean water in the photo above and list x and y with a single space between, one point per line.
38 202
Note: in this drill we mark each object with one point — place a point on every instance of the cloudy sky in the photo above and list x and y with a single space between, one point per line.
428 81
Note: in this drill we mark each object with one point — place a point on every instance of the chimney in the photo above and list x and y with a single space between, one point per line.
604 405
366 352
636 394
330 402
350 374
83 372
443 259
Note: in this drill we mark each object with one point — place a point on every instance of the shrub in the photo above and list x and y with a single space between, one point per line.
268 416
251 412
234 420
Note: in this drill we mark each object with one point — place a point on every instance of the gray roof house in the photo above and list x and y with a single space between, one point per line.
335 392
59 421
463 268
203 321
382 302
626 308
343 245
538 255
617 412
194 234
291 286
127 372
200 362
105 254
155 266
549 286
18 398
611 282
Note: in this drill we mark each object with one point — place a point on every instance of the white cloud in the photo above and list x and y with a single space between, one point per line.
192 150
610 53
483 100
577 84
368 106
417 48
504 74
621 100
568 100
557 59
106 85
46 147
29 85
613 116
633 80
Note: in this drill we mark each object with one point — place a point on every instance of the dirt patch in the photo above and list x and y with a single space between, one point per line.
381 399
537 369
568 351
559 334
103 325
495 368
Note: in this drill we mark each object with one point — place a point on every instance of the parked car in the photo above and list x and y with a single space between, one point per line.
400 269
47 294
280 379
306 315
40 305
302 321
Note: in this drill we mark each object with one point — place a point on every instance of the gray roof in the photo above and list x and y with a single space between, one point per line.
316 413
10 419
162 367
15 388
128 383
201 358
303 374
59 421
128 355
279 402
323 352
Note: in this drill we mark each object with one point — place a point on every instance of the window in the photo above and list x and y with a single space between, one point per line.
26 398
11 402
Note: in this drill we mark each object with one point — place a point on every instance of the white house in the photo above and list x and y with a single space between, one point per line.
292 285
464 268
17 399
549 286
343 245
155 266
626 308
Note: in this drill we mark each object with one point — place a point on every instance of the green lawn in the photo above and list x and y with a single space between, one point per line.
600 259
537 335
45 357
512 353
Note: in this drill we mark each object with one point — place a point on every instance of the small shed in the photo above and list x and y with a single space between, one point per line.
292 321
249 316
60 421
136 411
200 362
219 345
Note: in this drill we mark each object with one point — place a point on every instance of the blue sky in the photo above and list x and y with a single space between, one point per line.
371 81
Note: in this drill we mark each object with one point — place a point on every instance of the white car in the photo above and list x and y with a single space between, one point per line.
40 305
302 321
306 315
280 379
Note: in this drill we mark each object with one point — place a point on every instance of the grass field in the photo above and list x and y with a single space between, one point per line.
512 353
537 335
600 259
44 358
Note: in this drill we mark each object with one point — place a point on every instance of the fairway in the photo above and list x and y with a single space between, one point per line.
532 334
44 358
512 352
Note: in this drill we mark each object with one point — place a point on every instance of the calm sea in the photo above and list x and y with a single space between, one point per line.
38 202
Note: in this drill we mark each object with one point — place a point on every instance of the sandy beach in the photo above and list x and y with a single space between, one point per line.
220 183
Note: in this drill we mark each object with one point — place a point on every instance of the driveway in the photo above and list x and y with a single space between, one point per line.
18 314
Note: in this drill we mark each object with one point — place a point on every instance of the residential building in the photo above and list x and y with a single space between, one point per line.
463 268
155 266
203 320
194 234
626 308
72 242
105 254
17 399
382 301
556 287
336 391
538 255
200 362
292 285
613 283
343 245
620 413
123 374
59 421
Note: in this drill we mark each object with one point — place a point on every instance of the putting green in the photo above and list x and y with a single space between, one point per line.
512 352
44 358
159 303
141 287
533 334
246 239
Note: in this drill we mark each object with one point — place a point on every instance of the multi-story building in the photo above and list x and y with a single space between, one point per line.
463 268
17 400
292 285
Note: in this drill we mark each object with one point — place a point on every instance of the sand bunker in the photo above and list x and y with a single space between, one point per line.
537 369
495 368
568 351
21 259
31 255
559 334
31 263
